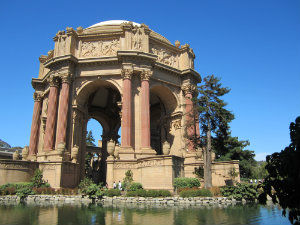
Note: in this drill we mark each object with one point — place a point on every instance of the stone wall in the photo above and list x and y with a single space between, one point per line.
12 171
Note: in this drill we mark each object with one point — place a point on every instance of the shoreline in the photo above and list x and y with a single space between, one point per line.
116 200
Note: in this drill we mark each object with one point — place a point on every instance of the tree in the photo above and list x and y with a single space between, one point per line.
283 182
89 142
228 148
213 116
90 139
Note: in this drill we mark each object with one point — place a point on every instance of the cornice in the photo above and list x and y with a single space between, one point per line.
60 59
193 73
137 55
110 60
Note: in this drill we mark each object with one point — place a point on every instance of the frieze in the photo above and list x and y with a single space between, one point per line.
13 166
124 166
100 48
164 56
150 163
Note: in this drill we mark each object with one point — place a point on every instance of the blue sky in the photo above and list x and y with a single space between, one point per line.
252 45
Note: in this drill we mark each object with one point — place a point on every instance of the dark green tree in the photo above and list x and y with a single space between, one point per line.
228 148
213 116
90 139
283 181
89 142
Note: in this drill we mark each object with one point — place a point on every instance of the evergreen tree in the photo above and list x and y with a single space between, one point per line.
213 116
90 139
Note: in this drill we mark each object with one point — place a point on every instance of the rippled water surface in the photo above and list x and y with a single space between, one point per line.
148 215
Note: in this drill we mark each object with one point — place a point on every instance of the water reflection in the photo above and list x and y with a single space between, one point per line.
141 214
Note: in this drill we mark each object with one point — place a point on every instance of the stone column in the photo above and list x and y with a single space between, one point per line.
126 129
35 125
51 114
145 109
189 114
63 110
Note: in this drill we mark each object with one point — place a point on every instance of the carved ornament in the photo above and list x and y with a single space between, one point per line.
53 81
37 97
124 166
146 74
100 48
137 42
66 78
165 56
150 163
188 88
176 124
127 73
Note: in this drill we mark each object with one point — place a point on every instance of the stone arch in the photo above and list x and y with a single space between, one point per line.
162 104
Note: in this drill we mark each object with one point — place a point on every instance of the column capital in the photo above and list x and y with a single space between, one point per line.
188 88
146 74
126 73
53 81
66 78
37 97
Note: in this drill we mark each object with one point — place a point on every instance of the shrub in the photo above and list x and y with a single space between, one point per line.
149 193
186 189
24 192
215 191
94 191
112 192
127 180
241 191
186 182
195 193
135 186
38 180
84 184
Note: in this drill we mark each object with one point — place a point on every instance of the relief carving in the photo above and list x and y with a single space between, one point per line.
137 39
124 166
150 163
165 56
100 48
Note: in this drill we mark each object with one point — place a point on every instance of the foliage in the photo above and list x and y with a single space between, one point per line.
241 191
232 173
149 193
24 192
195 193
186 189
127 179
135 186
85 183
283 181
38 180
228 148
213 116
260 171
186 182
93 191
112 192
216 191
90 139
199 172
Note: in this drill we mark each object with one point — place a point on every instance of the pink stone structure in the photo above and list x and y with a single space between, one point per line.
128 78
34 134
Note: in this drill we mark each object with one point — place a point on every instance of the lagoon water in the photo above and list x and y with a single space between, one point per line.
140 214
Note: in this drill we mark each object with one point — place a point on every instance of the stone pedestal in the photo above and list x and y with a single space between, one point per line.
126 153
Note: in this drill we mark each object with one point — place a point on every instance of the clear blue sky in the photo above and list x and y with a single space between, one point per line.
252 45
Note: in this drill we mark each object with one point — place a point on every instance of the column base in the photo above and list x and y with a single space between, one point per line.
31 158
126 153
53 156
145 152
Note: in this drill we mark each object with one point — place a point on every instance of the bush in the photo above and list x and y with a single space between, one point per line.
186 182
127 180
149 193
38 180
112 192
84 184
196 193
186 189
24 192
241 191
135 186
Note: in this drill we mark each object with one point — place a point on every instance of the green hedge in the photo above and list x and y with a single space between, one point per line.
149 193
135 186
186 182
112 192
196 193
241 191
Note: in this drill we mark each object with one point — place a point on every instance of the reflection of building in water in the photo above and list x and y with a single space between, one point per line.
48 216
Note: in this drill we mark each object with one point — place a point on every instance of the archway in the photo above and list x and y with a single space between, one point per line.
101 102
162 104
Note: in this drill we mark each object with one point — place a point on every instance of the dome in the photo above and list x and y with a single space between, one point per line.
113 22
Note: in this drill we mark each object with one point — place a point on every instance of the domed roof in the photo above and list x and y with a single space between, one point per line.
113 22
